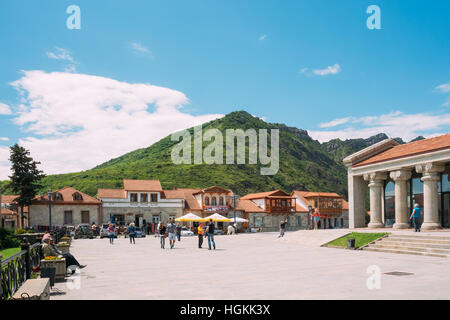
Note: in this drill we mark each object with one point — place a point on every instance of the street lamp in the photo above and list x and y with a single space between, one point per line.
234 197
310 217
49 194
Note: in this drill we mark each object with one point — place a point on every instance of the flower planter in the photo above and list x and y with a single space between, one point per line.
60 266
64 248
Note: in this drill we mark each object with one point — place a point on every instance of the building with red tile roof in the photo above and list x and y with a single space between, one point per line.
398 177
69 206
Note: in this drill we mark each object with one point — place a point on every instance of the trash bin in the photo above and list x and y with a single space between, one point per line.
350 243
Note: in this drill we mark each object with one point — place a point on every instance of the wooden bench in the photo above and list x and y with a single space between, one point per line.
34 289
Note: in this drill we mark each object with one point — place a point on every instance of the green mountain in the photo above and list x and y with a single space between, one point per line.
305 164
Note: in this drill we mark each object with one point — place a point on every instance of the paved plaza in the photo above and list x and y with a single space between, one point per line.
249 266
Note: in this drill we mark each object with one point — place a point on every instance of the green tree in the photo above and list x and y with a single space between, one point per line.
26 177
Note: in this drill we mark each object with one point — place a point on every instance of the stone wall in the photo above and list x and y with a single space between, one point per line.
39 214
297 221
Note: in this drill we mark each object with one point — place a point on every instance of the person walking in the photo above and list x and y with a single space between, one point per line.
132 233
162 234
178 231
111 233
316 219
200 235
415 216
283 224
171 230
210 231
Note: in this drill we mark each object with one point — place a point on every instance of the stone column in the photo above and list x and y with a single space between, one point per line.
356 201
400 178
376 192
430 177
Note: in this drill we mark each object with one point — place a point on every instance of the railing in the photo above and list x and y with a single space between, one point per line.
15 270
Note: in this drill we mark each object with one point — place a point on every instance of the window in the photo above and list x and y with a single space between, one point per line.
214 201
84 216
299 221
77 196
206 201
133 197
144 197
154 197
220 201
57 196
67 217
389 204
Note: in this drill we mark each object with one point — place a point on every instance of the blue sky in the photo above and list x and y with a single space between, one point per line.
310 64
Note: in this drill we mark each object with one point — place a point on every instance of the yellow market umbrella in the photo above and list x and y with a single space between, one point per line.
189 217
217 217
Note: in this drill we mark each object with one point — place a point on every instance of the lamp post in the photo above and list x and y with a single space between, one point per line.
310 217
49 194
234 197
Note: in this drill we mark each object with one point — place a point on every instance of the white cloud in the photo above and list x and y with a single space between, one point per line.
5 109
64 55
4 163
334 123
263 37
77 121
445 88
4 139
394 124
139 48
329 70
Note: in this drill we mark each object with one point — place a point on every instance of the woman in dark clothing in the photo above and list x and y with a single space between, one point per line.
132 233
162 234
179 232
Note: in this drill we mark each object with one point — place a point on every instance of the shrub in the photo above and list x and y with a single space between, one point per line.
7 239
20 231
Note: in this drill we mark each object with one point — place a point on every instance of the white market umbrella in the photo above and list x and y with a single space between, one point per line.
189 217
238 220
217 217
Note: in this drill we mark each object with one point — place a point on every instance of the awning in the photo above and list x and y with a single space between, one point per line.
189 217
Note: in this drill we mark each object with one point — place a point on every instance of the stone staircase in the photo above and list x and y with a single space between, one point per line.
426 245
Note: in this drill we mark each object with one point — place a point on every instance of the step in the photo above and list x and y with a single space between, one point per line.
414 244
418 235
419 240
409 248
406 252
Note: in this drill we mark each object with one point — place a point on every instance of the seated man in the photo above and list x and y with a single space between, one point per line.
49 249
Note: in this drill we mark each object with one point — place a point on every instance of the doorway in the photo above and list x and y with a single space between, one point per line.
445 209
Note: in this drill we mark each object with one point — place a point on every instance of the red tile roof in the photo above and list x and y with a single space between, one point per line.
307 194
409 149
67 197
8 198
187 194
142 185
264 194
248 206
8 212
111 193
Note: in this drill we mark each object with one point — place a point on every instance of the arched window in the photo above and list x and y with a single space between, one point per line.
58 196
77 196
221 201
214 201
206 201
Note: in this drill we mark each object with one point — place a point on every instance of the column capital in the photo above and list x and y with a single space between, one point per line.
400 175
375 176
430 167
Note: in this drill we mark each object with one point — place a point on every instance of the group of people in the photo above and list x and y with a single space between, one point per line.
49 249
173 231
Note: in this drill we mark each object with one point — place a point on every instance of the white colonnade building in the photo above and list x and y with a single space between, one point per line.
398 176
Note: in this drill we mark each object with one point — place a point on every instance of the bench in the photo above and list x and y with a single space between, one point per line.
34 289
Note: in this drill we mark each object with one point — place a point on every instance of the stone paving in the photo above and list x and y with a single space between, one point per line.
248 266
